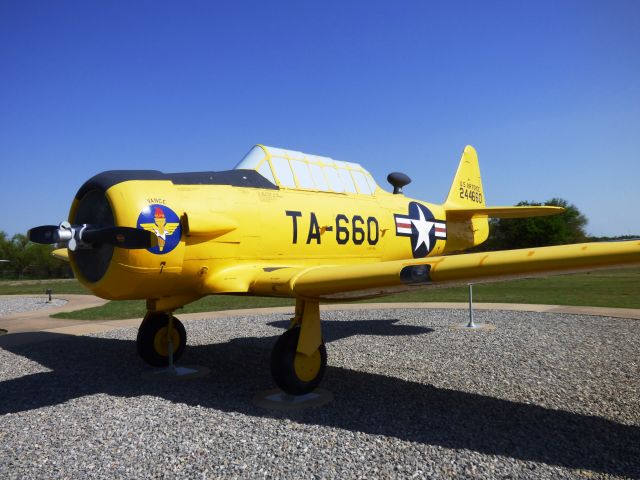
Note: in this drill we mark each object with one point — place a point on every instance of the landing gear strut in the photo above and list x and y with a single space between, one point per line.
153 338
299 357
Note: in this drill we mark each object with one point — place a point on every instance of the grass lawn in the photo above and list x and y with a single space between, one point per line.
605 288
136 308
20 287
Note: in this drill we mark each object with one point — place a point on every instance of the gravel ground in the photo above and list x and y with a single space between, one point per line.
541 396
11 306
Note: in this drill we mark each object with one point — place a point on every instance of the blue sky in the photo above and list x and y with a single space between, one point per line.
548 92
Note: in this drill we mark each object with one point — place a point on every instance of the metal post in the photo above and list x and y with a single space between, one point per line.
471 324
49 292
172 371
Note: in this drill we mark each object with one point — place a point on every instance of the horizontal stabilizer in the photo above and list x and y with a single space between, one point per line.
502 212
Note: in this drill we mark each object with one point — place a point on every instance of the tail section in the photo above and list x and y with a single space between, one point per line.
466 231
466 211
466 189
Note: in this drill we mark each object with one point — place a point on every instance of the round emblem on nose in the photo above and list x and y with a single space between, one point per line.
164 223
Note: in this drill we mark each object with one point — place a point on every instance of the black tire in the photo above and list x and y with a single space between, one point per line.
283 365
151 339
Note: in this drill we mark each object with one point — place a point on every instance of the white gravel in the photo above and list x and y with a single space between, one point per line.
542 396
10 305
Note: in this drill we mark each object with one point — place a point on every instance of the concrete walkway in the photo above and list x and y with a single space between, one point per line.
37 325
38 320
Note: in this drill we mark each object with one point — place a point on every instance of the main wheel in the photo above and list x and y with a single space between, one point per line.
296 373
153 341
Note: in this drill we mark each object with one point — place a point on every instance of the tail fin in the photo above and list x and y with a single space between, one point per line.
466 193
466 189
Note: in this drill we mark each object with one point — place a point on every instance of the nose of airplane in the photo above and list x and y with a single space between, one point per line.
92 235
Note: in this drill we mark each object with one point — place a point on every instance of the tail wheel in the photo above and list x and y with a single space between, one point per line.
153 340
296 373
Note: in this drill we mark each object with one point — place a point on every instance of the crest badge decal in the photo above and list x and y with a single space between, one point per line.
422 227
164 223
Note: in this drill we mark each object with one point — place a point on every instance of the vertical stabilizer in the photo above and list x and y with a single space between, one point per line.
466 189
466 231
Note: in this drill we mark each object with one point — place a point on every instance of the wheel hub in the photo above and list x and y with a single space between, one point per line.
161 341
307 366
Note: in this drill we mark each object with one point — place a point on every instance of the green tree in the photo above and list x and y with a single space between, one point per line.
4 254
29 259
508 233
18 255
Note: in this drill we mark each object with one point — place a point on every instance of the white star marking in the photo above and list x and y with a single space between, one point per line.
423 228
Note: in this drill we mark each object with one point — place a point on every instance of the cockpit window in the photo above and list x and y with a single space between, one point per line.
257 160
283 172
297 170
252 160
319 177
361 182
265 171
335 182
303 174
347 179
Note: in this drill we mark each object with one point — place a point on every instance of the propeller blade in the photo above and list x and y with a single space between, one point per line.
46 234
87 236
123 237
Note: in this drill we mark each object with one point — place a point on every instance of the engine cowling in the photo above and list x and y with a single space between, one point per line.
118 198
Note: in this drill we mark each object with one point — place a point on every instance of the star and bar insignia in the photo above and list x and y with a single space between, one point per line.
422 227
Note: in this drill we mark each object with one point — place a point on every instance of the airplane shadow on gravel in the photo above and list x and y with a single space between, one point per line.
364 402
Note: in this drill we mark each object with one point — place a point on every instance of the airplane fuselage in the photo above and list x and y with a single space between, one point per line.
206 231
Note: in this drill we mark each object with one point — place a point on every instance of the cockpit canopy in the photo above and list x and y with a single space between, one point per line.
301 171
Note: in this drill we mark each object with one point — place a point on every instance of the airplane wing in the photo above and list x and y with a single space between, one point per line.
351 281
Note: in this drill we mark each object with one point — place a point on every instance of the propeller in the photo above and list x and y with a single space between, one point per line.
123 237
46 234
89 236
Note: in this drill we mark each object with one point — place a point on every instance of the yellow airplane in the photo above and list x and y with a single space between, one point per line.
288 224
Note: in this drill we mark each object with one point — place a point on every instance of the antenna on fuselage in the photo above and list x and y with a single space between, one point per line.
398 180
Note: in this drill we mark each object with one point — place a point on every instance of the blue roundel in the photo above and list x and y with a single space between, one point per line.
164 224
